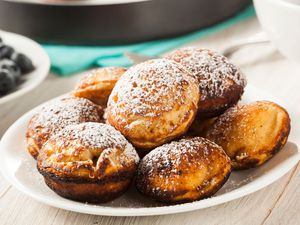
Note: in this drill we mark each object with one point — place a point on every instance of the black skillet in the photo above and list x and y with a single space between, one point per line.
107 22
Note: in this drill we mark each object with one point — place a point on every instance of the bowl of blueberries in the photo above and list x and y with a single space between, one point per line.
23 65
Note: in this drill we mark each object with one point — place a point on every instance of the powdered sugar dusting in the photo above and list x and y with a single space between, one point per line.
150 88
213 71
178 154
62 112
97 136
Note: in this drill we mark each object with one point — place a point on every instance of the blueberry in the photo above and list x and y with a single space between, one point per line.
6 51
23 62
12 67
7 82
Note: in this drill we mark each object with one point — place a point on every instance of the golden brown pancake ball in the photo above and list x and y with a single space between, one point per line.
252 133
221 83
183 171
97 84
153 103
56 115
88 162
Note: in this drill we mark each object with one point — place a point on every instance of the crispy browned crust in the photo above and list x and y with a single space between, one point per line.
97 84
84 189
215 106
251 134
88 192
200 174
169 196
87 189
72 174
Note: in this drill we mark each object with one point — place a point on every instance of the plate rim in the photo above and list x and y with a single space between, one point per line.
42 74
145 211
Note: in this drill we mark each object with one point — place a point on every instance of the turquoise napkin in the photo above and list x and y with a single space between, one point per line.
66 60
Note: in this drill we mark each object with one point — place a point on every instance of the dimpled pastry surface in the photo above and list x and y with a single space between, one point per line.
251 134
90 162
153 103
183 171
221 83
56 115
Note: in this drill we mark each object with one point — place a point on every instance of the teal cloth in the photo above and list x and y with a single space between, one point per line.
67 60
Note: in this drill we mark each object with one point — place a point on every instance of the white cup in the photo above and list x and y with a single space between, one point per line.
281 21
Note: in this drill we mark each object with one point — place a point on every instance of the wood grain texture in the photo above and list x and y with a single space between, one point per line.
279 203
286 209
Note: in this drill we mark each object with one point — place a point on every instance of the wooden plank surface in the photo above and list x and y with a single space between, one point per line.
278 203
286 209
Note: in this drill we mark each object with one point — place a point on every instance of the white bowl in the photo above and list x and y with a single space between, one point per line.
19 168
281 20
39 58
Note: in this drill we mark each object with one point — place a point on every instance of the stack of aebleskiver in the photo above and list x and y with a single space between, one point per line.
179 113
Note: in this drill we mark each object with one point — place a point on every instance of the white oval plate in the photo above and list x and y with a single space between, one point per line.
39 58
18 167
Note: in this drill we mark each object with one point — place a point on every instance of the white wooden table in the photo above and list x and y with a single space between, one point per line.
278 203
